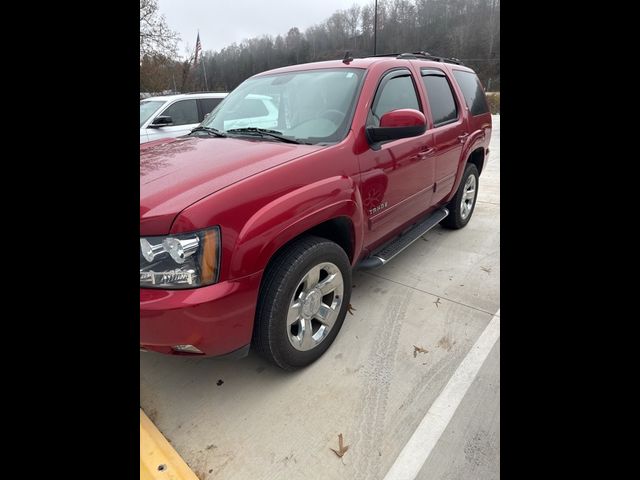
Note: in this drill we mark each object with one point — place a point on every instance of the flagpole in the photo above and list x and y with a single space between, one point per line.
204 71
375 29
200 58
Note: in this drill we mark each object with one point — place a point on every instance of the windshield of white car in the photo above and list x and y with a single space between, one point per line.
312 106
147 109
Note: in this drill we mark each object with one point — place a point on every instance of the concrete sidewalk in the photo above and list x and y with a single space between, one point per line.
372 385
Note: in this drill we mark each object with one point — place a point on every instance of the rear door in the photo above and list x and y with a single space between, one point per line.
185 117
449 129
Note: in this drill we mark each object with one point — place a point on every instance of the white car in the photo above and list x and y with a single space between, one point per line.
253 110
175 115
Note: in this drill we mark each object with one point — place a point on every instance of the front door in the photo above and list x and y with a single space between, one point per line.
397 180
184 114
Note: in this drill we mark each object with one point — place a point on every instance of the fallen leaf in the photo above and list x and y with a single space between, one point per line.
445 343
417 350
350 309
341 448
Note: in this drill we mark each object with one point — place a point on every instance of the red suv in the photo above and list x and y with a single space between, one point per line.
250 226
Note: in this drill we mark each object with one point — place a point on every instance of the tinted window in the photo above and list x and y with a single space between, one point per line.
208 104
183 112
440 97
472 91
397 93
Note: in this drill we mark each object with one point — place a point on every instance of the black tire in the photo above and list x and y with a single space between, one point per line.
281 279
454 220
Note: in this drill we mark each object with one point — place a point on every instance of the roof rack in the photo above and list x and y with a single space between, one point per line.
383 55
428 56
197 93
421 56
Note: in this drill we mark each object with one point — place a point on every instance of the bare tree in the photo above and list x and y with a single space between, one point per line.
156 38
353 21
467 29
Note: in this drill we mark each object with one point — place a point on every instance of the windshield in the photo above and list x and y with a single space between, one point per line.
314 106
147 109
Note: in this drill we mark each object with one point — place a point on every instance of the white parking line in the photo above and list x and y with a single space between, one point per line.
424 439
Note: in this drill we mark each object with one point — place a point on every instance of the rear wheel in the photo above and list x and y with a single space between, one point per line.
463 202
303 302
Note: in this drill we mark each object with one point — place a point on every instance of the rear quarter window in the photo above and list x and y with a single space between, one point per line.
208 104
472 91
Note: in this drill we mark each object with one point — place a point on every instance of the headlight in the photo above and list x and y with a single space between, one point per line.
186 260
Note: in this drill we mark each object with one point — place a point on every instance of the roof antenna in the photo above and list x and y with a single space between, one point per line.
347 58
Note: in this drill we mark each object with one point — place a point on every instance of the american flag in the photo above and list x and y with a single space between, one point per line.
198 49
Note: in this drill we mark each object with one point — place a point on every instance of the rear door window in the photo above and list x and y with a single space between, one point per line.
472 91
440 96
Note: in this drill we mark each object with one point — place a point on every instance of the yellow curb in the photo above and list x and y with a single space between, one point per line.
158 459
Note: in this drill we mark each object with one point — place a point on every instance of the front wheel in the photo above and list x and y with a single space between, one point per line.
303 301
463 202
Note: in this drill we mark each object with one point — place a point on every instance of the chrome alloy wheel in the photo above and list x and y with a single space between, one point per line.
315 306
468 197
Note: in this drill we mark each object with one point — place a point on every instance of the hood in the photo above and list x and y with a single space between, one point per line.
177 172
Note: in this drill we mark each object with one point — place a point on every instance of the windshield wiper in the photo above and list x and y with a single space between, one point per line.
263 132
210 130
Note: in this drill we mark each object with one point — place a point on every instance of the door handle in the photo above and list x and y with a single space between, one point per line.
463 137
426 152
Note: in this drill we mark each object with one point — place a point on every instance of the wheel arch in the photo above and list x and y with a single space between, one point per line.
477 158
330 208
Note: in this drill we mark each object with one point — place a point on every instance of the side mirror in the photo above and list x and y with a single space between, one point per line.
162 121
396 124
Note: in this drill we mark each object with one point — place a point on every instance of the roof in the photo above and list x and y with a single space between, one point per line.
365 63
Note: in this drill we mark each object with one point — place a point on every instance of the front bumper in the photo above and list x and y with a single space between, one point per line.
217 320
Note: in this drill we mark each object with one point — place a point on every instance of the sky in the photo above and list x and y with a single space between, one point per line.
222 22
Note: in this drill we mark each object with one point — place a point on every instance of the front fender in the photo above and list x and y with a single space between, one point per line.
290 215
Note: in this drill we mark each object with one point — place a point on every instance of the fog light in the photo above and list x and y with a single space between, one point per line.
186 349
